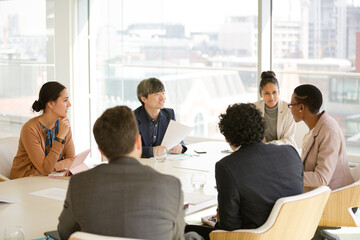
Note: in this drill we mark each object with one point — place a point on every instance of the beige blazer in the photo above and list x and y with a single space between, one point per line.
324 157
285 123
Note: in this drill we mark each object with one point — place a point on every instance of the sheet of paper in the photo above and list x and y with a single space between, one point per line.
79 159
196 198
79 168
175 133
53 193
4 199
173 157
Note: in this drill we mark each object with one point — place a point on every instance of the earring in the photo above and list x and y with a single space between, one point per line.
300 111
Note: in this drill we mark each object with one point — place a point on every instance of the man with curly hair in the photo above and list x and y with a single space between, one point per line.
254 176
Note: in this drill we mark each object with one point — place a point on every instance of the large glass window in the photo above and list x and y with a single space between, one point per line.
26 59
315 42
205 52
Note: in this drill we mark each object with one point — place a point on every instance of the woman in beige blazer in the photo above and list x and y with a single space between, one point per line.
323 150
280 125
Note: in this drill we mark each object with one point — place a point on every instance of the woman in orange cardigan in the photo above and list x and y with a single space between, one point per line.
46 143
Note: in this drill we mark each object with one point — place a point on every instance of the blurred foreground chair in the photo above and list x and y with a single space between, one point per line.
91 236
8 149
294 217
338 210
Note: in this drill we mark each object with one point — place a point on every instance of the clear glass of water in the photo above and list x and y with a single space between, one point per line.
14 233
160 154
198 181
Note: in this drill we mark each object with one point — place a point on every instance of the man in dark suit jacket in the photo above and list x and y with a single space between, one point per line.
152 118
255 175
123 198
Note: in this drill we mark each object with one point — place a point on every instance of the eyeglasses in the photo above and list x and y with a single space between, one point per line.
292 104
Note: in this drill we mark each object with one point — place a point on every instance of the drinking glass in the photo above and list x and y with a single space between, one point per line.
198 181
160 154
14 233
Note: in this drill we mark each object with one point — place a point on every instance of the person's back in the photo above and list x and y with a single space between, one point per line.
122 198
256 175
127 199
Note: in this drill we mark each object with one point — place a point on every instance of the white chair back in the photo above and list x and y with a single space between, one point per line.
8 150
294 217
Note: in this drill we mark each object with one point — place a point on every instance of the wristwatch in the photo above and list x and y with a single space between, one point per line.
62 141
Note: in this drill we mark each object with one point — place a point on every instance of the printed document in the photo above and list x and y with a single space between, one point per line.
175 133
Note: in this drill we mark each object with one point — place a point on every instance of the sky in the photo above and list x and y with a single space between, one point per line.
196 15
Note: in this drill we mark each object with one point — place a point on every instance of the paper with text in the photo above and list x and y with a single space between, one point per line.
175 133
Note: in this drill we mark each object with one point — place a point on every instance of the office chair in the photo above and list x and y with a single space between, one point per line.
8 149
338 210
294 217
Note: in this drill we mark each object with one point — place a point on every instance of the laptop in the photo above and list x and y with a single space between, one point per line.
77 166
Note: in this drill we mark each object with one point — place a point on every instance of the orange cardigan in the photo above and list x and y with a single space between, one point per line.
30 158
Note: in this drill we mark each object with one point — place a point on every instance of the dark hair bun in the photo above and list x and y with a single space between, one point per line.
36 106
268 74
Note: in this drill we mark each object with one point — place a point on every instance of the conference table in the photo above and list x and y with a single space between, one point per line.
39 200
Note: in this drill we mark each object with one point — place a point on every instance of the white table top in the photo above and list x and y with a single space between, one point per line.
38 214
35 214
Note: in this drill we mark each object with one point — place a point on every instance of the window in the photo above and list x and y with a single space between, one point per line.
205 52
202 51
26 59
322 54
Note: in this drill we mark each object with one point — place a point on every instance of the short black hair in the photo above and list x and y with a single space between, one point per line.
268 77
149 86
310 96
242 124
115 131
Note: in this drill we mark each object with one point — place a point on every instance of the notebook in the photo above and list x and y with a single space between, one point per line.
77 166
209 220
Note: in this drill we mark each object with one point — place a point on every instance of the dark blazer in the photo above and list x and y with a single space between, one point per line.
141 116
126 199
251 179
